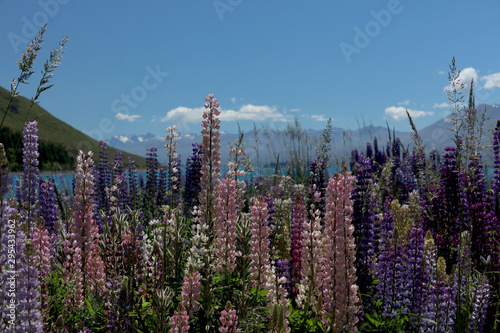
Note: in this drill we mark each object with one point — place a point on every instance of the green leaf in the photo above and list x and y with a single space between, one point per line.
89 307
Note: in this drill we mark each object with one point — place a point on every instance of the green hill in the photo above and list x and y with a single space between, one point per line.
55 136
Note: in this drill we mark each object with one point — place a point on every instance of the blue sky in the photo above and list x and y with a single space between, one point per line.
135 67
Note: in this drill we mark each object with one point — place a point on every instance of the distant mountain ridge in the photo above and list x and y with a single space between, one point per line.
435 136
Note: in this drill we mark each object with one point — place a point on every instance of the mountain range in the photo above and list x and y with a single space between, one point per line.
263 146
269 143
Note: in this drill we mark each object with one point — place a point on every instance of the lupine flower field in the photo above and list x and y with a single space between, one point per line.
404 242
398 241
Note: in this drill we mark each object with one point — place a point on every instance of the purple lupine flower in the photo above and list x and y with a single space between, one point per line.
433 157
483 222
415 276
152 170
270 220
447 205
318 181
117 307
284 269
480 297
496 175
406 180
369 150
102 178
28 199
193 176
141 182
4 173
118 170
161 194
151 190
354 159
48 206
364 231
441 290
396 152
19 278
380 158
132 184
463 278
390 267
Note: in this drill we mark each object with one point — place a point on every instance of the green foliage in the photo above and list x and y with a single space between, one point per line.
89 316
304 321
374 322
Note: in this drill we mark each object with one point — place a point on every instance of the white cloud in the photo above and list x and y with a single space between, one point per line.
405 102
319 117
440 105
233 100
130 118
465 77
294 110
492 81
183 115
398 113
441 72
123 138
252 112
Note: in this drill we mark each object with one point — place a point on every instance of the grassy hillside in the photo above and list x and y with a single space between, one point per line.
52 130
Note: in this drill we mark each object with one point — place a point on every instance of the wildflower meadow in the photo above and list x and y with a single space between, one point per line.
401 240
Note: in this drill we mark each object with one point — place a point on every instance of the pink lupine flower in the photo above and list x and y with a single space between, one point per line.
260 268
84 227
210 164
179 322
340 300
225 223
312 260
229 320
276 295
42 256
191 290
299 217
72 273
